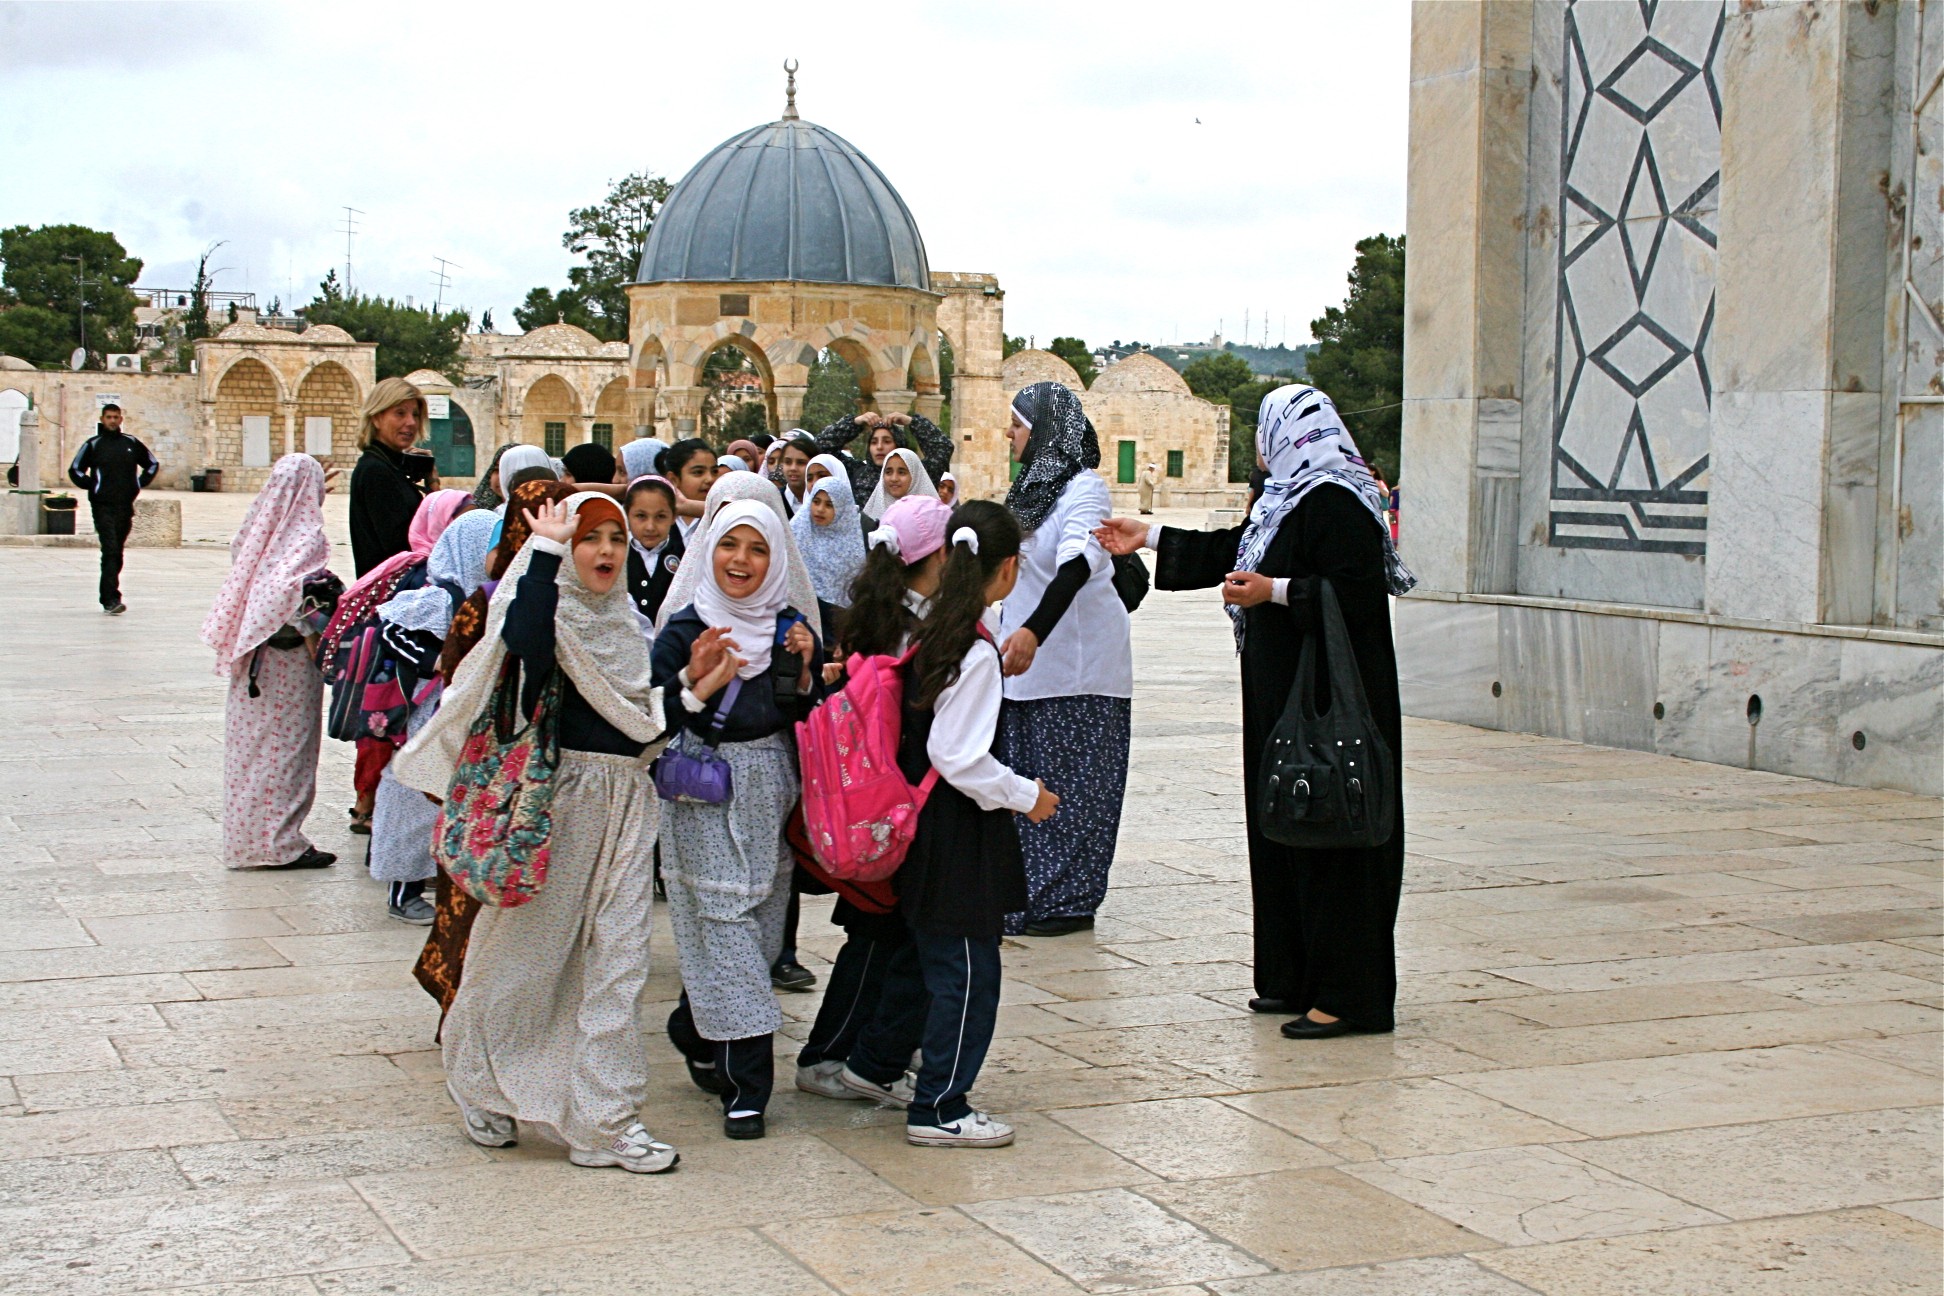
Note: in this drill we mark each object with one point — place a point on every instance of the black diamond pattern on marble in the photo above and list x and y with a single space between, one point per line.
1637 269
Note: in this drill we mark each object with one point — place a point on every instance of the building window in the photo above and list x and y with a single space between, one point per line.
604 435
1174 463
556 439
1126 474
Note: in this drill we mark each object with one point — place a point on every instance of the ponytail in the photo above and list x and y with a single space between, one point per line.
980 536
877 620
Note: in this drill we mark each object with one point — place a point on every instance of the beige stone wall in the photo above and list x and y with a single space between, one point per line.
249 369
247 387
972 316
328 391
162 410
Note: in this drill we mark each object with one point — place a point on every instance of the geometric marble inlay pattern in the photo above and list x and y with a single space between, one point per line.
1640 176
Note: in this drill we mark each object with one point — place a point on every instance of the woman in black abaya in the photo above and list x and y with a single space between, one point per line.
1324 919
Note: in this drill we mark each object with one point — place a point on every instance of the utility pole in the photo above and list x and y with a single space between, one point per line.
81 285
349 229
442 281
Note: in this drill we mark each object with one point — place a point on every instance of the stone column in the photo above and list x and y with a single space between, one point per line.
1464 298
290 427
892 401
789 407
682 407
1798 361
929 404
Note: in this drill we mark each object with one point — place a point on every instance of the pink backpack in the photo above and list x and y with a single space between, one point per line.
859 812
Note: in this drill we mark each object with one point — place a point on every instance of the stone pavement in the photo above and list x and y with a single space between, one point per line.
1666 1027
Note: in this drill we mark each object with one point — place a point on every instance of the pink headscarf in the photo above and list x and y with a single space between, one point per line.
279 546
435 513
913 527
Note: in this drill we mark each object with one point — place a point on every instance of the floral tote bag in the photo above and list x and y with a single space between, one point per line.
494 833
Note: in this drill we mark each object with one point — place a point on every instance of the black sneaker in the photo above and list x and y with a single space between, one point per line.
1064 926
747 1126
793 977
116 608
416 910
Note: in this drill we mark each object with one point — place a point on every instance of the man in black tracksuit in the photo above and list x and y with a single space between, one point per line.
113 469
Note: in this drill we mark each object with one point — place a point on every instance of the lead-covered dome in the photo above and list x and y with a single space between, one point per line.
788 200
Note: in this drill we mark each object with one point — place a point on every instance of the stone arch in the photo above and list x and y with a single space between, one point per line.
758 358
248 390
651 364
550 399
240 359
863 363
329 392
613 420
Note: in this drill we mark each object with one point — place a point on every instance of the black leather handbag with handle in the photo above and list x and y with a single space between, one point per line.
1327 777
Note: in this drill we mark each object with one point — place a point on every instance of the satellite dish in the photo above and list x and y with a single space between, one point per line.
79 359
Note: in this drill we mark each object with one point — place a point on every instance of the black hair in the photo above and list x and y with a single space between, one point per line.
536 473
763 440
649 484
877 620
110 406
670 462
801 441
947 632
590 462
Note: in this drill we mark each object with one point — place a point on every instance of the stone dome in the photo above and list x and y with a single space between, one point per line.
791 201
317 333
1141 372
14 362
1024 368
556 339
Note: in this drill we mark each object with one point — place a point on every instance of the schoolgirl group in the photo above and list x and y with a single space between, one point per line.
701 607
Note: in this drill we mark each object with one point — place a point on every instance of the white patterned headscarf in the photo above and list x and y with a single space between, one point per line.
834 553
597 641
1303 444
638 456
458 559
921 483
729 488
518 459
751 619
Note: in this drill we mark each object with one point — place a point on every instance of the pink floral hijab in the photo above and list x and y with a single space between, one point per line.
435 513
280 544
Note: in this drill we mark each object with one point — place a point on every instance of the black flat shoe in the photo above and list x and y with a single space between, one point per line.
706 1078
743 1127
1305 1027
312 858
793 977
1060 926
1280 1007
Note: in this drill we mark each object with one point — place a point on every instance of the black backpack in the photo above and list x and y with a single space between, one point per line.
1327 779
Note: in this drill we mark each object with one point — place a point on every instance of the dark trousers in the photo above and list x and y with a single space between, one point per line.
746 1066
854 986
112 523
790 919
940 993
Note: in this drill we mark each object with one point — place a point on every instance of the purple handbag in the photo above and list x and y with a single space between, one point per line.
699 777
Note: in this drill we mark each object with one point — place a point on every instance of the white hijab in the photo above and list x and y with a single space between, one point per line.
921 483
596 641
751 619
729 488
518 459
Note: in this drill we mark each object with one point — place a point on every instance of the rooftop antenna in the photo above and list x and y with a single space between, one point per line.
789 102
81 285
350 228
442 281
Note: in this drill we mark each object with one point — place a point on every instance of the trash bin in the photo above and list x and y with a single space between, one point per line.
213 479
198 483
57 515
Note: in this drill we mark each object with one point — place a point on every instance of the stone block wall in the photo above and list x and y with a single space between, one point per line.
161 409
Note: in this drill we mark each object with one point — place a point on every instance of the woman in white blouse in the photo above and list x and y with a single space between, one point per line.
1069 663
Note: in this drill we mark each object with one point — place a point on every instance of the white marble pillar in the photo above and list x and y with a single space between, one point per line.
1798 361
1464 294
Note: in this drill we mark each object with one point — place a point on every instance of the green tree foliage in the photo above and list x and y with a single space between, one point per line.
39 276
408 337
1009 345
486 320
1244 401
610 235
833 392
1075 352
1213 376
1359 357
747 419
195 319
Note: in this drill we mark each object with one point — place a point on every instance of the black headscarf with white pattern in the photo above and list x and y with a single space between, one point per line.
1063 446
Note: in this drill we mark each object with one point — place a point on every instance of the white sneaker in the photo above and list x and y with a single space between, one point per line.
633 1149
821 1079
975 1129
487 1129
895 1094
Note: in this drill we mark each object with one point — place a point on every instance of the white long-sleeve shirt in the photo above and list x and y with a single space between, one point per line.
1091 650
965 718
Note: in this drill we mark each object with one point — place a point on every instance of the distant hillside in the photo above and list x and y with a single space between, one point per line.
1262 360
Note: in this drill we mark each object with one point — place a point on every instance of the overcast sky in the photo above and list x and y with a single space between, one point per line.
1055 145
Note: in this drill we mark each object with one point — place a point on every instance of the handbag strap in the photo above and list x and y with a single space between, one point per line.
723 708
1346 679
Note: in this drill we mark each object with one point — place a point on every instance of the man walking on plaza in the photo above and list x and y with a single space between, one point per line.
113 468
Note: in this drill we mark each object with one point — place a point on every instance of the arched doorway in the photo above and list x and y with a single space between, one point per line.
548 414
737 389
327 415
449 436
246 402
613 423
12 404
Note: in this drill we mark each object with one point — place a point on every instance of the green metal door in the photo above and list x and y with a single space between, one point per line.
451 442
1127 463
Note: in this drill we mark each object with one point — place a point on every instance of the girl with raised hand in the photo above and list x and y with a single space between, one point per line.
888 597
884 433
543 1030
1069 662
739 666
963 873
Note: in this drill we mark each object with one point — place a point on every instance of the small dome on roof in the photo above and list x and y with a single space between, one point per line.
429 380
13 362
556 339
326 333
1141 372
244 331
1024 368
786 201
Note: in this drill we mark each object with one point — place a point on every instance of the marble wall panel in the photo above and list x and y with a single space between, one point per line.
1447 659
1578 675
1848 570
1439 450
1766 505
1919 520
1893 695
1686 725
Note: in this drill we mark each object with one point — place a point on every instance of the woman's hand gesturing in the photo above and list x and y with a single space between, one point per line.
1121 536
552 521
